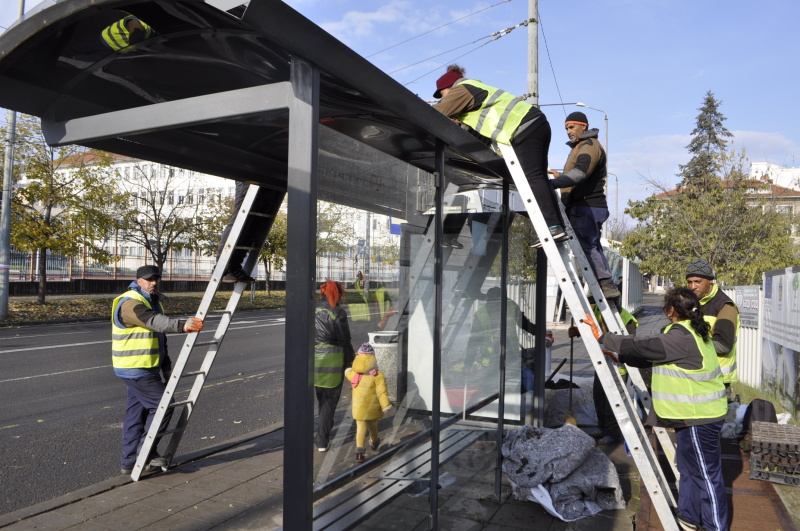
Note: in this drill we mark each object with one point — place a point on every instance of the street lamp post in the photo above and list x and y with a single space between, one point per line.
616 206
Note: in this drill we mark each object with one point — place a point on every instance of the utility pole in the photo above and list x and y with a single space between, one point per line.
533 52
5 214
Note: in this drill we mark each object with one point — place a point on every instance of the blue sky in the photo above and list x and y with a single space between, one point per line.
647 64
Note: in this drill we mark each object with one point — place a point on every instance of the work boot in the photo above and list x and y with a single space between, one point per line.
556 232
609 290
159 462
684 524
237 274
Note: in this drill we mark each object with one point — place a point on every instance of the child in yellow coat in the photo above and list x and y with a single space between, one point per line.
370 398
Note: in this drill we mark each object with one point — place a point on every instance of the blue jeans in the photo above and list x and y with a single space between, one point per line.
587 222
144 395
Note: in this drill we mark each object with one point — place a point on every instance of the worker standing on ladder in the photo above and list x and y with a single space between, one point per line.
140 358
583 181
506 119
689 396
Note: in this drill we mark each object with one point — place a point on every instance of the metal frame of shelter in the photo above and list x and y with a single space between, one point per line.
318 80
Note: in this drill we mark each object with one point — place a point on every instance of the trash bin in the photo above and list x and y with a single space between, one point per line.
385 345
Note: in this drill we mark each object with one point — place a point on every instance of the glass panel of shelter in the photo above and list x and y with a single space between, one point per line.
376 236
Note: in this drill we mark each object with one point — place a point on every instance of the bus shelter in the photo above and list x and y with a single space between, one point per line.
261 94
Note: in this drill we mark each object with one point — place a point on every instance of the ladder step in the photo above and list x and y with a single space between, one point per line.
219 311
192 373
173 430
261 214
246 247
204 343
180 403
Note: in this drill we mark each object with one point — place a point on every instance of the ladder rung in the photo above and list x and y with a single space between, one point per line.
192 373
176 429
204 343
246 247
219 311
261 214
180 403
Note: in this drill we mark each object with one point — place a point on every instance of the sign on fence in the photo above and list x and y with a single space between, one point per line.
781 347
747 301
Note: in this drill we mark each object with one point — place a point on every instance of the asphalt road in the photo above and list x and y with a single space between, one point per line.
62 406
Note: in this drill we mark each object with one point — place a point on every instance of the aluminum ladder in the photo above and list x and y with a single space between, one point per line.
568 279
198 377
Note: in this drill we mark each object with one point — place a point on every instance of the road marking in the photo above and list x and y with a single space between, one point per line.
54 373
54 346
9 426
56 334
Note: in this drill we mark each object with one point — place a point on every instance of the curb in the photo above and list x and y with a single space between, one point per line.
119 481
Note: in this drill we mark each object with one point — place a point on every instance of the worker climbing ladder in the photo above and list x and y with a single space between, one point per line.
568 280
198 377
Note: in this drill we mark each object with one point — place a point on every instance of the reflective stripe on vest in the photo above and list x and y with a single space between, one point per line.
727 362
498 117
135 347
690 394
117 36
328 361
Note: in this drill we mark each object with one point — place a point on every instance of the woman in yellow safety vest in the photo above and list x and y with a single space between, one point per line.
332 353
689 396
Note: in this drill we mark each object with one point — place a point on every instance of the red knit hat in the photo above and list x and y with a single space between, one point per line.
446 81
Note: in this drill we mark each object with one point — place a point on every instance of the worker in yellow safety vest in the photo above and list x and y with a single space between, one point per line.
126 32
140 359
688 396
721 313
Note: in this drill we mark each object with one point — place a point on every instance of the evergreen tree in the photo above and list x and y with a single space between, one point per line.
708 147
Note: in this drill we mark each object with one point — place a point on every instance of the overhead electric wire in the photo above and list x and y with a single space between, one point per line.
492 37
552 68
437 28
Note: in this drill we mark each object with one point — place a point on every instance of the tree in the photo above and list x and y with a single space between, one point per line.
335 227
707 147
68 201
167 211
273 254
739 233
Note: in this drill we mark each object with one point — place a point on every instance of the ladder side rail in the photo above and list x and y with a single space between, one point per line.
644 457
205 369
151 438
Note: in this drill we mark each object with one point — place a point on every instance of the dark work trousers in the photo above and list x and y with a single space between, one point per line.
702 499
144 395
587 222
606 420
327 399
531 148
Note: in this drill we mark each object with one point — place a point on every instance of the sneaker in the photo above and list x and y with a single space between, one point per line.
125 471
684 524
609 290
159 462
360 458
237 274
324 448
374 445
606 440
556 231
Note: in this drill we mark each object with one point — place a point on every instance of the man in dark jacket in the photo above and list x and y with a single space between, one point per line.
140 358
584 178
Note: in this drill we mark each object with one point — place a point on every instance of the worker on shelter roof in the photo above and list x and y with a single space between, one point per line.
506 119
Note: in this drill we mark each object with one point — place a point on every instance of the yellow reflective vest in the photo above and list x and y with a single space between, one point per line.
116 36
362 311
135 347
690 394
712 304
328 359
498 117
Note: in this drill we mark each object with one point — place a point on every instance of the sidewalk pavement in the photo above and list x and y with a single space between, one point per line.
238 485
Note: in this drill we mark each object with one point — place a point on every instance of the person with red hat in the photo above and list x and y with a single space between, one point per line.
583 182
506 119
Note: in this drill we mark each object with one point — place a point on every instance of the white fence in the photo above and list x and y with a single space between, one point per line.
749 341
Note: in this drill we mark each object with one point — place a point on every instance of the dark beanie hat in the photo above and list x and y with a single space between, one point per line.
700 268
446 81
577 117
